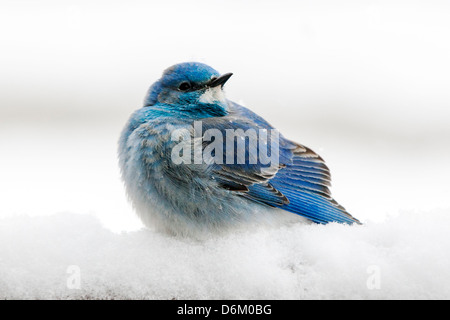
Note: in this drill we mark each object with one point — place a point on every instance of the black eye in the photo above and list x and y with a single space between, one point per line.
184 86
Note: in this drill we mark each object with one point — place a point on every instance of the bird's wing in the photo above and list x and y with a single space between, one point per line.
244 172
305 181
298 183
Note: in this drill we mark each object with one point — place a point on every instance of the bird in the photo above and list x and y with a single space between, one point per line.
179 180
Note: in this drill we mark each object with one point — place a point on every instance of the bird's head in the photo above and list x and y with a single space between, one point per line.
190 87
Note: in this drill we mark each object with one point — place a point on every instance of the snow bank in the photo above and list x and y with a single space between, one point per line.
70 256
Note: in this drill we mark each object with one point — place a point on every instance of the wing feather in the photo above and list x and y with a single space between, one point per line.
299 184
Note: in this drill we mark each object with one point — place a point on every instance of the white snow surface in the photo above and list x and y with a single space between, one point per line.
404 257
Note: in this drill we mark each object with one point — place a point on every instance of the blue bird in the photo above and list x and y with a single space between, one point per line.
190 164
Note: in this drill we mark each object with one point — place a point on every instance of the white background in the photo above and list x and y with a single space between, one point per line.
363 83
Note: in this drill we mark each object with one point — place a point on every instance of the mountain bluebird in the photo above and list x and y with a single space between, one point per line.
194 161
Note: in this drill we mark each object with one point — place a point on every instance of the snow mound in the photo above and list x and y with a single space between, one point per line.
70 256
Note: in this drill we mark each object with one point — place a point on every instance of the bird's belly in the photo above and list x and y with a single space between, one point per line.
201 212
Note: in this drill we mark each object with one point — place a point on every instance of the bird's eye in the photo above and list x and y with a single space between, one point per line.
184 86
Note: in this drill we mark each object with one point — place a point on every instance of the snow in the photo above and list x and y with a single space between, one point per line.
72 256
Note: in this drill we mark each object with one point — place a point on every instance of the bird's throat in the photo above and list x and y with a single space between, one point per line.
213 95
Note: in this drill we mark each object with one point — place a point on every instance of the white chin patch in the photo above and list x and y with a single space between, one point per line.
212 95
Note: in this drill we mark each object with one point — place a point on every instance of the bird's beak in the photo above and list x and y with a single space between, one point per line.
220 81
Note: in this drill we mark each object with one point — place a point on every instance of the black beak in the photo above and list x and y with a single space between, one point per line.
220 81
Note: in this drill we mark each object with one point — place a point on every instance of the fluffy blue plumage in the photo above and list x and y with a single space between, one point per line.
212 195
